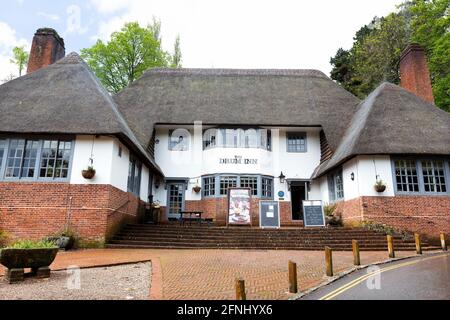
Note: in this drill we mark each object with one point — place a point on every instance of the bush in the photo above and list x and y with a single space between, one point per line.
3 238
383 228
28 244
329 209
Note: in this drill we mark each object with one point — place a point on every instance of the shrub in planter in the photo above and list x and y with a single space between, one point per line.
380 186
64 240
89 173
28 254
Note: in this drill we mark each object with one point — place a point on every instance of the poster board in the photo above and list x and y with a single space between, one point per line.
269 214
239 206
314 215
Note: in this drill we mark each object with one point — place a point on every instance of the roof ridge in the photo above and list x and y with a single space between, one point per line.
237 72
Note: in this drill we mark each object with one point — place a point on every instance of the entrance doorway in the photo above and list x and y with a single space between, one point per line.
175 199
299 193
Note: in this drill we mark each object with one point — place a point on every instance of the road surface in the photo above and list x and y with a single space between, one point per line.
422 278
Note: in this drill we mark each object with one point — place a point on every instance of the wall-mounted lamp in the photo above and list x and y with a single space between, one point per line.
352 176
282 177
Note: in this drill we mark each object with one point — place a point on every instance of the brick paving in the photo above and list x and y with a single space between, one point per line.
210 274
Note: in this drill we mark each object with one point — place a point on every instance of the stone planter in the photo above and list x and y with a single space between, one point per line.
15 260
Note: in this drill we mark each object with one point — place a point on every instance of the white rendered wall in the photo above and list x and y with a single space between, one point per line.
110 168
368 168
195 163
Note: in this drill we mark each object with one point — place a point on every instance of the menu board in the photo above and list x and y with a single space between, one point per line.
314 215
239 206
269 214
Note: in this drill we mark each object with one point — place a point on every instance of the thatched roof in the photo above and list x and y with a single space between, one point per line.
393 121
237 97
64 98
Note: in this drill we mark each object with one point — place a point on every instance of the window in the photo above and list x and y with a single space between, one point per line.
34 159
252 138
296 142
267 188
55 159
227 182
336 186
407 179
179 140
134 176
2 152
218 185
250 182
434 176
209 187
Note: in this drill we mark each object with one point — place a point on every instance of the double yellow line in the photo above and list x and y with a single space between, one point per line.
359 280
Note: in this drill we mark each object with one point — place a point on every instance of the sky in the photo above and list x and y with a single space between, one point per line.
293 34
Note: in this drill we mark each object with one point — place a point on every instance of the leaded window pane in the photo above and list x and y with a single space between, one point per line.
250 182
406 176
209 187
227 182
267 187
55 159
2 152
296 142
434 176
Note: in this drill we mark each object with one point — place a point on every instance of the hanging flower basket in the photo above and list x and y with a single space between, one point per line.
197 189
89 173
380 186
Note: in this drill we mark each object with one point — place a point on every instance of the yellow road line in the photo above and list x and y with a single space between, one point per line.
361 279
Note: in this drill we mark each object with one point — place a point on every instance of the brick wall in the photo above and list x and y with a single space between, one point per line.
427 215
37 210
217 210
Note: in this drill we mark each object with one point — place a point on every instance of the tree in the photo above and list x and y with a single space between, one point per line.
375 54
128 54
176 58
20 58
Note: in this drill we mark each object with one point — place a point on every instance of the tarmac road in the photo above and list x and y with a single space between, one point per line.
423 278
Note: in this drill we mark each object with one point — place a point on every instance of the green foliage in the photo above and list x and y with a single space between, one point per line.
20 58
377 47
176 59
3 238
329 209
128 55
385 229
28 244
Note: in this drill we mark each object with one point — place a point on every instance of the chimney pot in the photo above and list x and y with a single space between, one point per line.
47 48
414 72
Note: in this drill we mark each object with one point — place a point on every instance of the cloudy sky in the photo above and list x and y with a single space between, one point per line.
214 33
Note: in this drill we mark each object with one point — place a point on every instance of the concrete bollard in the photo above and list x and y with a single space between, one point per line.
390 241
418 243
443 243
356 254
240 290
329 261
293 288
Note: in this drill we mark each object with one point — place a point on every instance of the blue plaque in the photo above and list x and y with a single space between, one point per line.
281 194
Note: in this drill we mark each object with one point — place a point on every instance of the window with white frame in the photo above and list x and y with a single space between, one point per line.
34 159
227 182
336 185
296 142
251 138
421 176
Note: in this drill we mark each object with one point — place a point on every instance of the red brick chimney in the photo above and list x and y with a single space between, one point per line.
414 72
47 48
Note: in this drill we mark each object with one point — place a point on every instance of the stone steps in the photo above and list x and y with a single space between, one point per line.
204 237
